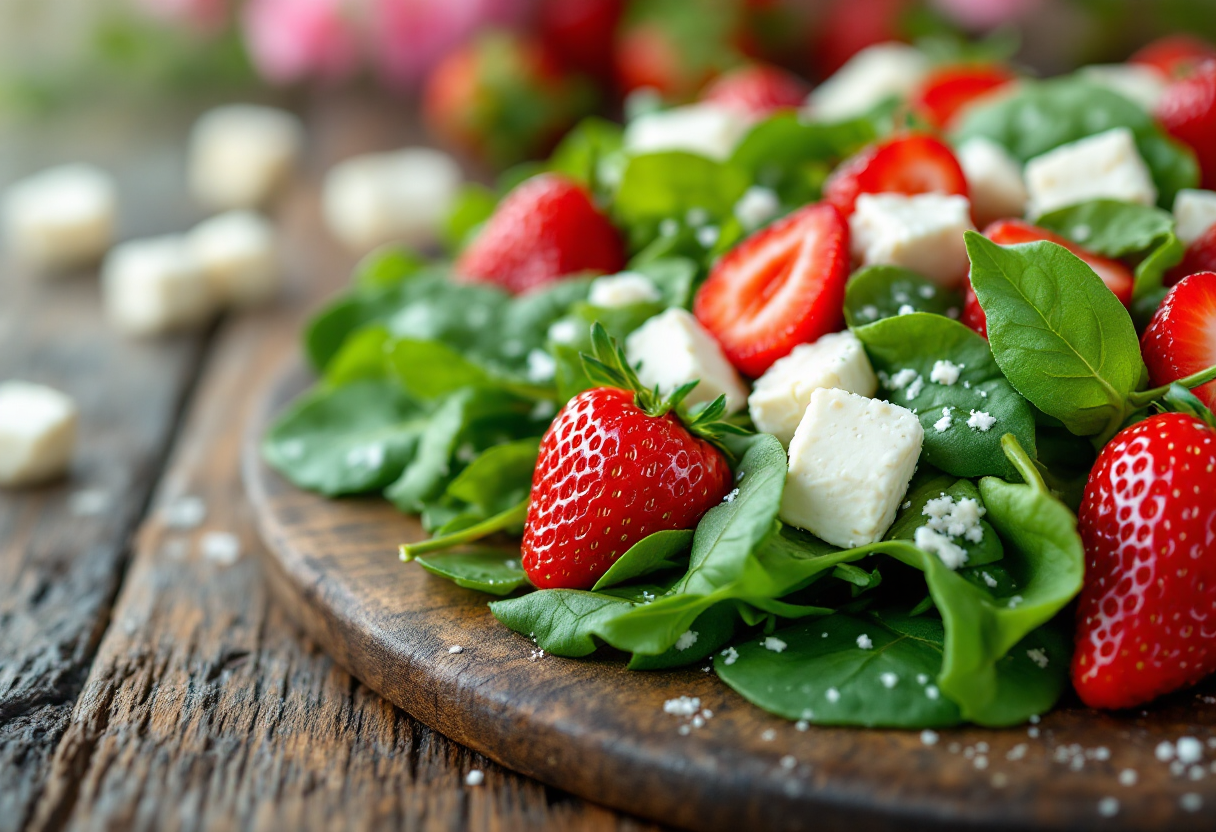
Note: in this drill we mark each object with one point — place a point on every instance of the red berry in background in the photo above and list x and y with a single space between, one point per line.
910 163
675 47
1145 620
580 34
849 26
1187 111
1176 56
950 90
1200 257
781 287
545 229
1181 337
757 90
607 476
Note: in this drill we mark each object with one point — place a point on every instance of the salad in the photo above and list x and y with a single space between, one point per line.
853 397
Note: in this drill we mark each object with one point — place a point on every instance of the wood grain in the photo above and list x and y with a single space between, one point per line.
593 728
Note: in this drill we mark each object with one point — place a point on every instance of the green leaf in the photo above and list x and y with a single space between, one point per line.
880 292
347 440
584 149
362 357
1059 335
498 478
987 550
916 343
387 267
712 630
562 621
661 550
431 369
793 157
486 570
474 205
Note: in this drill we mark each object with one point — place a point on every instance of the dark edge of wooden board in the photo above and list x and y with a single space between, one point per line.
333 565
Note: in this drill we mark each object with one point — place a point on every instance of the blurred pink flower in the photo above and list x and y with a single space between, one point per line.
985 14
291 40
207 16
411 36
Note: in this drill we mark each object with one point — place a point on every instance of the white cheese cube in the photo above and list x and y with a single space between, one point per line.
674 349
704 129
61 217
994 179
781 395
37 433
625 289
1194 213
155 285
402 196
1138 83
1103 166
850 464
238 254
923 233
240 154
870 77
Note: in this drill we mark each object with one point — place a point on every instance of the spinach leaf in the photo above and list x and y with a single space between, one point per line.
498 478
908 351
561 621
362 356
660 550
880 292
431 369
584 150
1059 335
793 157
987 550
347 440
487 570
709 633
474 205
386 267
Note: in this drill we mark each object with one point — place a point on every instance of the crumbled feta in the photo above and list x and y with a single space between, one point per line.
945 372
62 217
563 332
475 778
1108 807
1189 750
37 433
905 309
757 206
870 77
729 656
731 495
241 154
981 420
708 235
888 679
850 462
1194 213
1164 751
688 639
994 180
673 349
238 254
682 706
936 543
929 737
943 424
624 289
955 519
781 395
1103 166
902 379
155 285
1128 777
789 762
989 581
541 366
1191 802
832 695
222 547
932 692
705 129
1038 657
454 649
775 644
864 642
923 233
1139 83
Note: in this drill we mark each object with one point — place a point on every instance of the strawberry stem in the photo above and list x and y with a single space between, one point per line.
1147 397
511 517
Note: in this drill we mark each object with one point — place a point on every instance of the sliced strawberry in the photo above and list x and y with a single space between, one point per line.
781 287
1187 111
1181 337
1200 257
757 90
973 314
1175 55
545 229
949 90
911 163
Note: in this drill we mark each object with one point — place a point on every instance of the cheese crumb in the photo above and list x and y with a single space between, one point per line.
475 777
989 580
1038 657
932 692
929 737
1128 777
935 543
832 695
1189 750
682 706
729 656
943 424
687 640
454 649
981 420
864 642
1108 807
775 644
889 680
945 372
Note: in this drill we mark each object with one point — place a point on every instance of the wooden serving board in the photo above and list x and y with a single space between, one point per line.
595 729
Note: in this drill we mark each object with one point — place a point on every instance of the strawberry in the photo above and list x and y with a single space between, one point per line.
951 89
579 34
1175 55
675 47
616 465
1181 337
781 287
545 229
909 163
757 90
1117 277
851 25
1187 111
502 99
1200 257
1145 623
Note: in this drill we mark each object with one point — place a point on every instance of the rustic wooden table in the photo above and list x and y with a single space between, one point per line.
144 685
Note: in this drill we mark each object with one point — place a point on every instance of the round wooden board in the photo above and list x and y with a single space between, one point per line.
597 730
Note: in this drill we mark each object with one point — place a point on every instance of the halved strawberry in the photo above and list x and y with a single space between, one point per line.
1117 277
949 90
1187 111
757 90
1200 257
1181 337
910 163
545 229
781 287
1175 55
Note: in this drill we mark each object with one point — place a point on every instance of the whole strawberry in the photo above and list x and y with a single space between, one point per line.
1146 622
545 229
615 466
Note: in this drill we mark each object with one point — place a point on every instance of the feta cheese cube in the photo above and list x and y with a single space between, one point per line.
240 154
155 285
37 433
380 198
994 179
1103 166
923 233
870 77
1195 213
851 460
781 395
673 349
1138 83
61 217
704 129
238 254
624 289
